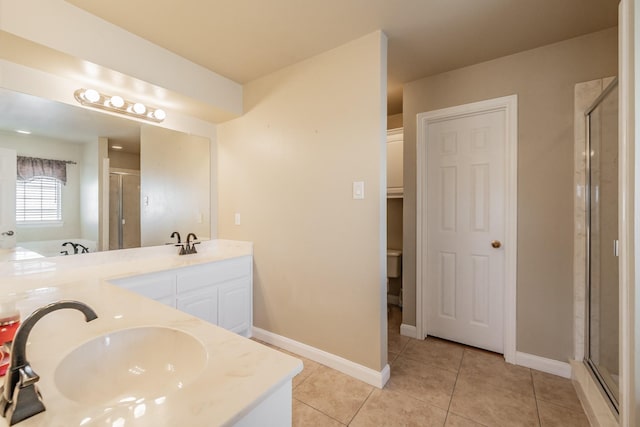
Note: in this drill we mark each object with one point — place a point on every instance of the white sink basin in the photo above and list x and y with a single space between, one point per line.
130 364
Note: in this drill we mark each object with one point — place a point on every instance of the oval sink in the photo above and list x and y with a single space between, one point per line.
130 364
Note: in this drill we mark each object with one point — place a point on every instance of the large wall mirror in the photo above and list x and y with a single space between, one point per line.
128 184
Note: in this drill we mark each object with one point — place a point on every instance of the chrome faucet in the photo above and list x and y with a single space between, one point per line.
21 398
191 247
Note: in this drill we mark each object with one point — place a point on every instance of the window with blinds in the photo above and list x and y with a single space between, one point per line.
39 200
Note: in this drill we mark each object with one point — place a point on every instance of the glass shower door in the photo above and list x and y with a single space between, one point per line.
124 210
603 326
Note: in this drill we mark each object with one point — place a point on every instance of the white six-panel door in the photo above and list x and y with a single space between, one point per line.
465 189
7 198
466 203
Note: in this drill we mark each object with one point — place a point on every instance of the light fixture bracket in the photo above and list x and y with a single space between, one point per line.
95 99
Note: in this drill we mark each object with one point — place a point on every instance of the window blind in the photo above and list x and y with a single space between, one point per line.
39 200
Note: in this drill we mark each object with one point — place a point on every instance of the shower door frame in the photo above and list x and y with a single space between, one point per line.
612 400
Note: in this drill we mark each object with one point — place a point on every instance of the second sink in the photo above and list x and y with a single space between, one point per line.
130 364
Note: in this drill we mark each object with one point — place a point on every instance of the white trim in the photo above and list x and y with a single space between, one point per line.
355 370
395 135
629 161
550 366
593 402
408 331
508 104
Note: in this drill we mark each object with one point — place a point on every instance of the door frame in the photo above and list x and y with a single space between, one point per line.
509 105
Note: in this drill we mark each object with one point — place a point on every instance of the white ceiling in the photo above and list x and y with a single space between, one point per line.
42 117
246 39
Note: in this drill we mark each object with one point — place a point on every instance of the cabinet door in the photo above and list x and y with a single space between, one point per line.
157 286
203 305
234 305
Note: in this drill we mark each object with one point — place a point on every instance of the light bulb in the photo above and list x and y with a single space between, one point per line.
117 101
159 114
91 95
139 108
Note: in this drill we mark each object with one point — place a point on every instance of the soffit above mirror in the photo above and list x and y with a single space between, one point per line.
27 53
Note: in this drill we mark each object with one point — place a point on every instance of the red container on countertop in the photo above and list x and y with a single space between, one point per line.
9 323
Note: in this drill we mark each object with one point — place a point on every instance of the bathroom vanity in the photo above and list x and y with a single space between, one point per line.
219 292
142 362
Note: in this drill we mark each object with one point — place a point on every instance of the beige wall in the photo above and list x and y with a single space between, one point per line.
124 160
174 179
287 167
90 192
543 79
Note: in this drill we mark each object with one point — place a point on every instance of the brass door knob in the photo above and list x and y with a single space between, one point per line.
496 244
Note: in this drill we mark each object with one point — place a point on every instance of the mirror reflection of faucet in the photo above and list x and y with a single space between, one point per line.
76 247
21 398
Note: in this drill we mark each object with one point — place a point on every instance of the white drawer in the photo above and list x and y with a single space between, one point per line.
199 276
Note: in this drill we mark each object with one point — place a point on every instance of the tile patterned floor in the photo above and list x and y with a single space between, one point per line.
436 383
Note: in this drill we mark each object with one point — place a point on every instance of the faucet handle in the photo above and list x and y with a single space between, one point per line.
28 376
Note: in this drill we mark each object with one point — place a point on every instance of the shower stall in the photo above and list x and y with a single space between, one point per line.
602 301
124 210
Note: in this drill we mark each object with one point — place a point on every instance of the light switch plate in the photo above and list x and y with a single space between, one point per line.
236 219
358 190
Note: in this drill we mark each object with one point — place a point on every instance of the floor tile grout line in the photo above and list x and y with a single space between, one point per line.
535 397
466 418
411 396
361 406
455 383
323 413
428 364
559 405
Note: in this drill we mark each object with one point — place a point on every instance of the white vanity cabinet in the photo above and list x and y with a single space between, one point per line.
159 286
219 292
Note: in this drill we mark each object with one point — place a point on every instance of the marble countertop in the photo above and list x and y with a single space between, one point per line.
116 264
237 376
17 254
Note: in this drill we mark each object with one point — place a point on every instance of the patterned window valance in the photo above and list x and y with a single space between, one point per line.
29 167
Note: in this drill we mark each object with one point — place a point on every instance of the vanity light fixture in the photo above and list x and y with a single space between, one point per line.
117 147
117 104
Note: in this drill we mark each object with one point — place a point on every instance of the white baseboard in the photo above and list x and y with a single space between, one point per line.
409 331
355 370
550 366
